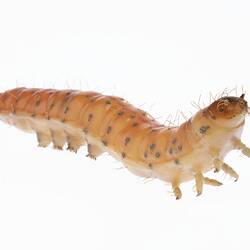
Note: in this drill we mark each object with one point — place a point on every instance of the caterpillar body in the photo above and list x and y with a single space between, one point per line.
147 148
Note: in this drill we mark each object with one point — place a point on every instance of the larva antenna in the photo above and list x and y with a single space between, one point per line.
242 90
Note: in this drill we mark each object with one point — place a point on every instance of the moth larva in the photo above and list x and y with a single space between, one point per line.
147 148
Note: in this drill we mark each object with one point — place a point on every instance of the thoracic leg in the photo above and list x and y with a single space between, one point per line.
94 151
226 168
218 165
241 146
199 180
176 190
211 182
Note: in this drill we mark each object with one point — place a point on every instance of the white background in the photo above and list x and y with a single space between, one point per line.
160 56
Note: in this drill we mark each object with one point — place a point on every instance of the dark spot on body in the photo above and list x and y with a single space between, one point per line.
157 154
180 147
120 113
109 129
145 154
135 124
63 120
203 129
127 140
174 141
105 143
38 102
90 117
108 102
153 130
123 155
177 161
85 130
150 165
170 151
152 146
132 116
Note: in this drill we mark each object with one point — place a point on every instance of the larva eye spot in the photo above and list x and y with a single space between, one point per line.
223 105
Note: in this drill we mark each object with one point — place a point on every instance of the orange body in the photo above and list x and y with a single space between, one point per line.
109 123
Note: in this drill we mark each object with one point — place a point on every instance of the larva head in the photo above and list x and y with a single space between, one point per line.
230 111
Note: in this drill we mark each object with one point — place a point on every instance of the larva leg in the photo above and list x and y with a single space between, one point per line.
58 139
211 182
75 142
217 164
220 165
44 139
241 146
228 170
176 191
94 151
199 180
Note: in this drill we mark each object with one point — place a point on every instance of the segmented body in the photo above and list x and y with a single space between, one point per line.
109 123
